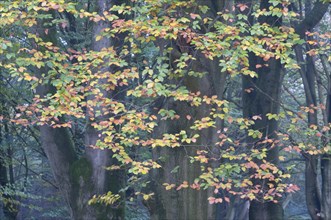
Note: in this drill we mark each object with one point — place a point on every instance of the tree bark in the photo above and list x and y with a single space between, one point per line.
262 99
10 209
311 172
312 18
185 203
312 188
326 168
81 177
326 186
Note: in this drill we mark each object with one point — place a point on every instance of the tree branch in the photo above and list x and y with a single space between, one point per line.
312 19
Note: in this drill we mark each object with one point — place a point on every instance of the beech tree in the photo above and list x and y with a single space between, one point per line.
176 166
309 74
261 97
143 82
80 177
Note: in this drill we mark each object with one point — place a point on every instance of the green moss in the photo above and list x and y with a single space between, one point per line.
81 168
81 173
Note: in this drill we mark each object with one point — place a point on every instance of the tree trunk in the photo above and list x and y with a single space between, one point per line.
176 166
307 70
326 186
326 168
10 209
262 99
311 173
79 178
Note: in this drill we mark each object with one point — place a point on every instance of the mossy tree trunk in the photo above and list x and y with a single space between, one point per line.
79 177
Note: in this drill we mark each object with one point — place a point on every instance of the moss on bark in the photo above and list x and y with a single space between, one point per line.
81 168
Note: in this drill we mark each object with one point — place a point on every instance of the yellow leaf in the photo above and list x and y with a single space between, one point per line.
27 77
98 38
